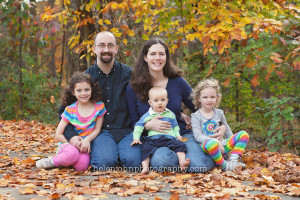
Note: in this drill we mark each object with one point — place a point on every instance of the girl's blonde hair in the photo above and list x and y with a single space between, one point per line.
206 83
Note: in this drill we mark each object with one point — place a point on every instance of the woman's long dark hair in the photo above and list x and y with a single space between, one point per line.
68 98
141 80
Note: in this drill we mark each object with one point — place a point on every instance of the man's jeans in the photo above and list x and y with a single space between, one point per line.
106 153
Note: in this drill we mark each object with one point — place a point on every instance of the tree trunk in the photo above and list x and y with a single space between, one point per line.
20 68
237 91
33 45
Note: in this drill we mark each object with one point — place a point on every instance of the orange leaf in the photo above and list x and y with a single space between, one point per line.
226 82
265 2
250 61
260 49
268 76
276 59
205 39
280 74
184 139
283 41
174 196
127 53
244 43
55 196
296 66
255 80
210 71
157 198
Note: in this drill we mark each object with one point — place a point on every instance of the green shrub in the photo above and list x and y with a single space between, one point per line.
40 97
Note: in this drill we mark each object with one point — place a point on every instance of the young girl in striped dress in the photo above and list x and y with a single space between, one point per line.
85 112
207 118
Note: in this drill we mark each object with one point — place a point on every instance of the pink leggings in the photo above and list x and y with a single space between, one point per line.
69 155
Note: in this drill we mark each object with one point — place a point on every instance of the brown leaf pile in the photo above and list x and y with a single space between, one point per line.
24 142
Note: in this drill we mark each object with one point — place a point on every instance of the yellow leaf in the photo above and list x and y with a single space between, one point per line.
106 21
267 29
114 5
131 33
29 185
152 2
59 185
145 37
228 20
88 8
114 30
190 37
125 41
70 185
16 161
27 191
74 41
246 20
100 21
118 34
82 56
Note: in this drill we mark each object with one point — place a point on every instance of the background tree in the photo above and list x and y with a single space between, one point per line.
251 47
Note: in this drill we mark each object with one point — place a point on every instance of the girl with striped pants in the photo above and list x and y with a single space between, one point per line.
207 118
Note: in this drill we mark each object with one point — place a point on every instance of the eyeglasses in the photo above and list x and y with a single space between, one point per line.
103 46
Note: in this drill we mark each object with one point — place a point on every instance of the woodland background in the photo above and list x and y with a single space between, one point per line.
251 46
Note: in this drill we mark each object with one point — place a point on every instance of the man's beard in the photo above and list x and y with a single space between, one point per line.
106 60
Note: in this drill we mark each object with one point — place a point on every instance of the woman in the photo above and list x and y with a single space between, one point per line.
154 68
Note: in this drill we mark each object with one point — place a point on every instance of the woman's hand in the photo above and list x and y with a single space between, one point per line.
221 147
158 125
219 132
179 138
187 120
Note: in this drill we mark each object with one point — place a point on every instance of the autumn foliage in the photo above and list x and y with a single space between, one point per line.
22 143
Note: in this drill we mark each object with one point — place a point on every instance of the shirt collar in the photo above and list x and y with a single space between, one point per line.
112 69
151 112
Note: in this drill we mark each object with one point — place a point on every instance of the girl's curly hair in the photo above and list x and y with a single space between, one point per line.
68 97
206 83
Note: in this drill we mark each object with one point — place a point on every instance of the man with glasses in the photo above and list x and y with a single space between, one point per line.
112 146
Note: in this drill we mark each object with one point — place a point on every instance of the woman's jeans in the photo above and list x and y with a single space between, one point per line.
106 154
166 160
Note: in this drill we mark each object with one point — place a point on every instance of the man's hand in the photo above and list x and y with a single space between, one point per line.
85 146
76 141
187 120
135 142
158 125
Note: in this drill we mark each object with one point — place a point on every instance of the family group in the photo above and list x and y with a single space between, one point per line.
113 115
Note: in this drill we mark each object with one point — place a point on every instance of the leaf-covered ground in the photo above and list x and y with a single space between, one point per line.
268 175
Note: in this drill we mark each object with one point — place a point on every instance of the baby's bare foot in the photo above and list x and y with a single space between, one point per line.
145 171
183 165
